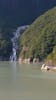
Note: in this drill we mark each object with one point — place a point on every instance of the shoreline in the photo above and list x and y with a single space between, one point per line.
28 60
46 67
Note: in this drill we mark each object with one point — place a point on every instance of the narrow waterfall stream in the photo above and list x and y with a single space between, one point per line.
16 34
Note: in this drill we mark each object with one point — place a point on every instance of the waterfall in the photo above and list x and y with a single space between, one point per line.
17 34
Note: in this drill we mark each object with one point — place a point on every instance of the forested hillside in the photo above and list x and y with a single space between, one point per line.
40 37
5 43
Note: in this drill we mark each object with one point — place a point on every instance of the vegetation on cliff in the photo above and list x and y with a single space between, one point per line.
52 57
39 39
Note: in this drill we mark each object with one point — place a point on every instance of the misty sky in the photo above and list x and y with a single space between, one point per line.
24 11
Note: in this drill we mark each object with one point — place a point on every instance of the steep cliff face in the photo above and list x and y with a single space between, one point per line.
23 11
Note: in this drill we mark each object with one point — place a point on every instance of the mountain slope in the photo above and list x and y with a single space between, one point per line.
40 38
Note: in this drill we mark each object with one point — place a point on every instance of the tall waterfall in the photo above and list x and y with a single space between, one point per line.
16 36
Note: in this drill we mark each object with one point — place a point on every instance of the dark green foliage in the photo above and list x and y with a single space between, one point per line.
5 48
52 56
40 37
5 44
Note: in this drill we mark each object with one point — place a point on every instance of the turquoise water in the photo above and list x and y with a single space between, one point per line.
26 82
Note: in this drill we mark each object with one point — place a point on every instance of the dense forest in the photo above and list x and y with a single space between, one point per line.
39 40
5 43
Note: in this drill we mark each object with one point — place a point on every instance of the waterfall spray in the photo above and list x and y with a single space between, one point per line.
16 36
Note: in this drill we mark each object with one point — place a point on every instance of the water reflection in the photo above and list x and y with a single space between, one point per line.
13 69
26 82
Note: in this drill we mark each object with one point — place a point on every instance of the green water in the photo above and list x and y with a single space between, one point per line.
26 82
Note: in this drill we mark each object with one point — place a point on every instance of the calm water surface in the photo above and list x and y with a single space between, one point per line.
26 82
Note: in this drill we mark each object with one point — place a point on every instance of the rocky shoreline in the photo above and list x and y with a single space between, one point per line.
48 66
28 60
